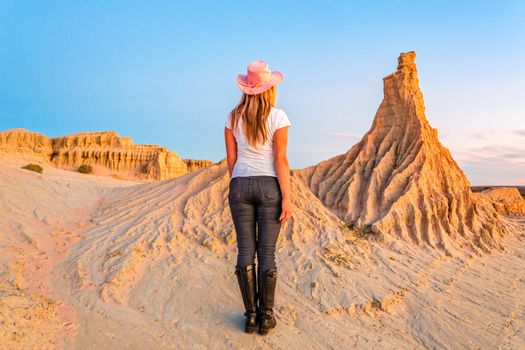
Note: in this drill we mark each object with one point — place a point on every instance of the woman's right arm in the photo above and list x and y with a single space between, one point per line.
282 169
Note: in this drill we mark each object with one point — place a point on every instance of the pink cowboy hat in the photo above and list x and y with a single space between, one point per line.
259 78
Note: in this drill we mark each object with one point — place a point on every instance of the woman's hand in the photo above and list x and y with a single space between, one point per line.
286 212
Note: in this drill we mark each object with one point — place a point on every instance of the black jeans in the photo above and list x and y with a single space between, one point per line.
255 205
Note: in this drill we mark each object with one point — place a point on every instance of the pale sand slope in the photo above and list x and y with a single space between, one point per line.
150 266
40 216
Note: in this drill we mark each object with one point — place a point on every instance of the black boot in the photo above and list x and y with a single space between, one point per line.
266 282
248 285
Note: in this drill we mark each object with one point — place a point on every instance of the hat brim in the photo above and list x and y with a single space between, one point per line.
242 83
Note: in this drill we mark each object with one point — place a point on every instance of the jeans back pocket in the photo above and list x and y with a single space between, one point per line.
271 190
235 188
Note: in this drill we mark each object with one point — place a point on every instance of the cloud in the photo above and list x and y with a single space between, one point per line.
493 154
502 146
483 135
346 135
490 156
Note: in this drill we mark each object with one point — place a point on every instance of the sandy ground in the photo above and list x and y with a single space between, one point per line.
99 263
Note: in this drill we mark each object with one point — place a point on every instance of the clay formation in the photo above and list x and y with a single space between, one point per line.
106 151
506 200
399 181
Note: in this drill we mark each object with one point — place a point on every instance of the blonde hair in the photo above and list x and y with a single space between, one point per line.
254 111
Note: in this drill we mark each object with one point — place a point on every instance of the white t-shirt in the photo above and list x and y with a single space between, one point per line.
251 161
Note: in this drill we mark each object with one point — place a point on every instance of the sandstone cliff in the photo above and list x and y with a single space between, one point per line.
400 182
105 150
196 164
25 141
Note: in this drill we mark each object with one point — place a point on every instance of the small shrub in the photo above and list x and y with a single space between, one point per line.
33 167
85 169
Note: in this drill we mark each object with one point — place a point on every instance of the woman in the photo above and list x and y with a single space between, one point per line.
256 135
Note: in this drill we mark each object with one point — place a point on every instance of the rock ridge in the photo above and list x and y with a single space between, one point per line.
105 150
399 181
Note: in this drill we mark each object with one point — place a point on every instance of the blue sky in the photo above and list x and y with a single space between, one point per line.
164 72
